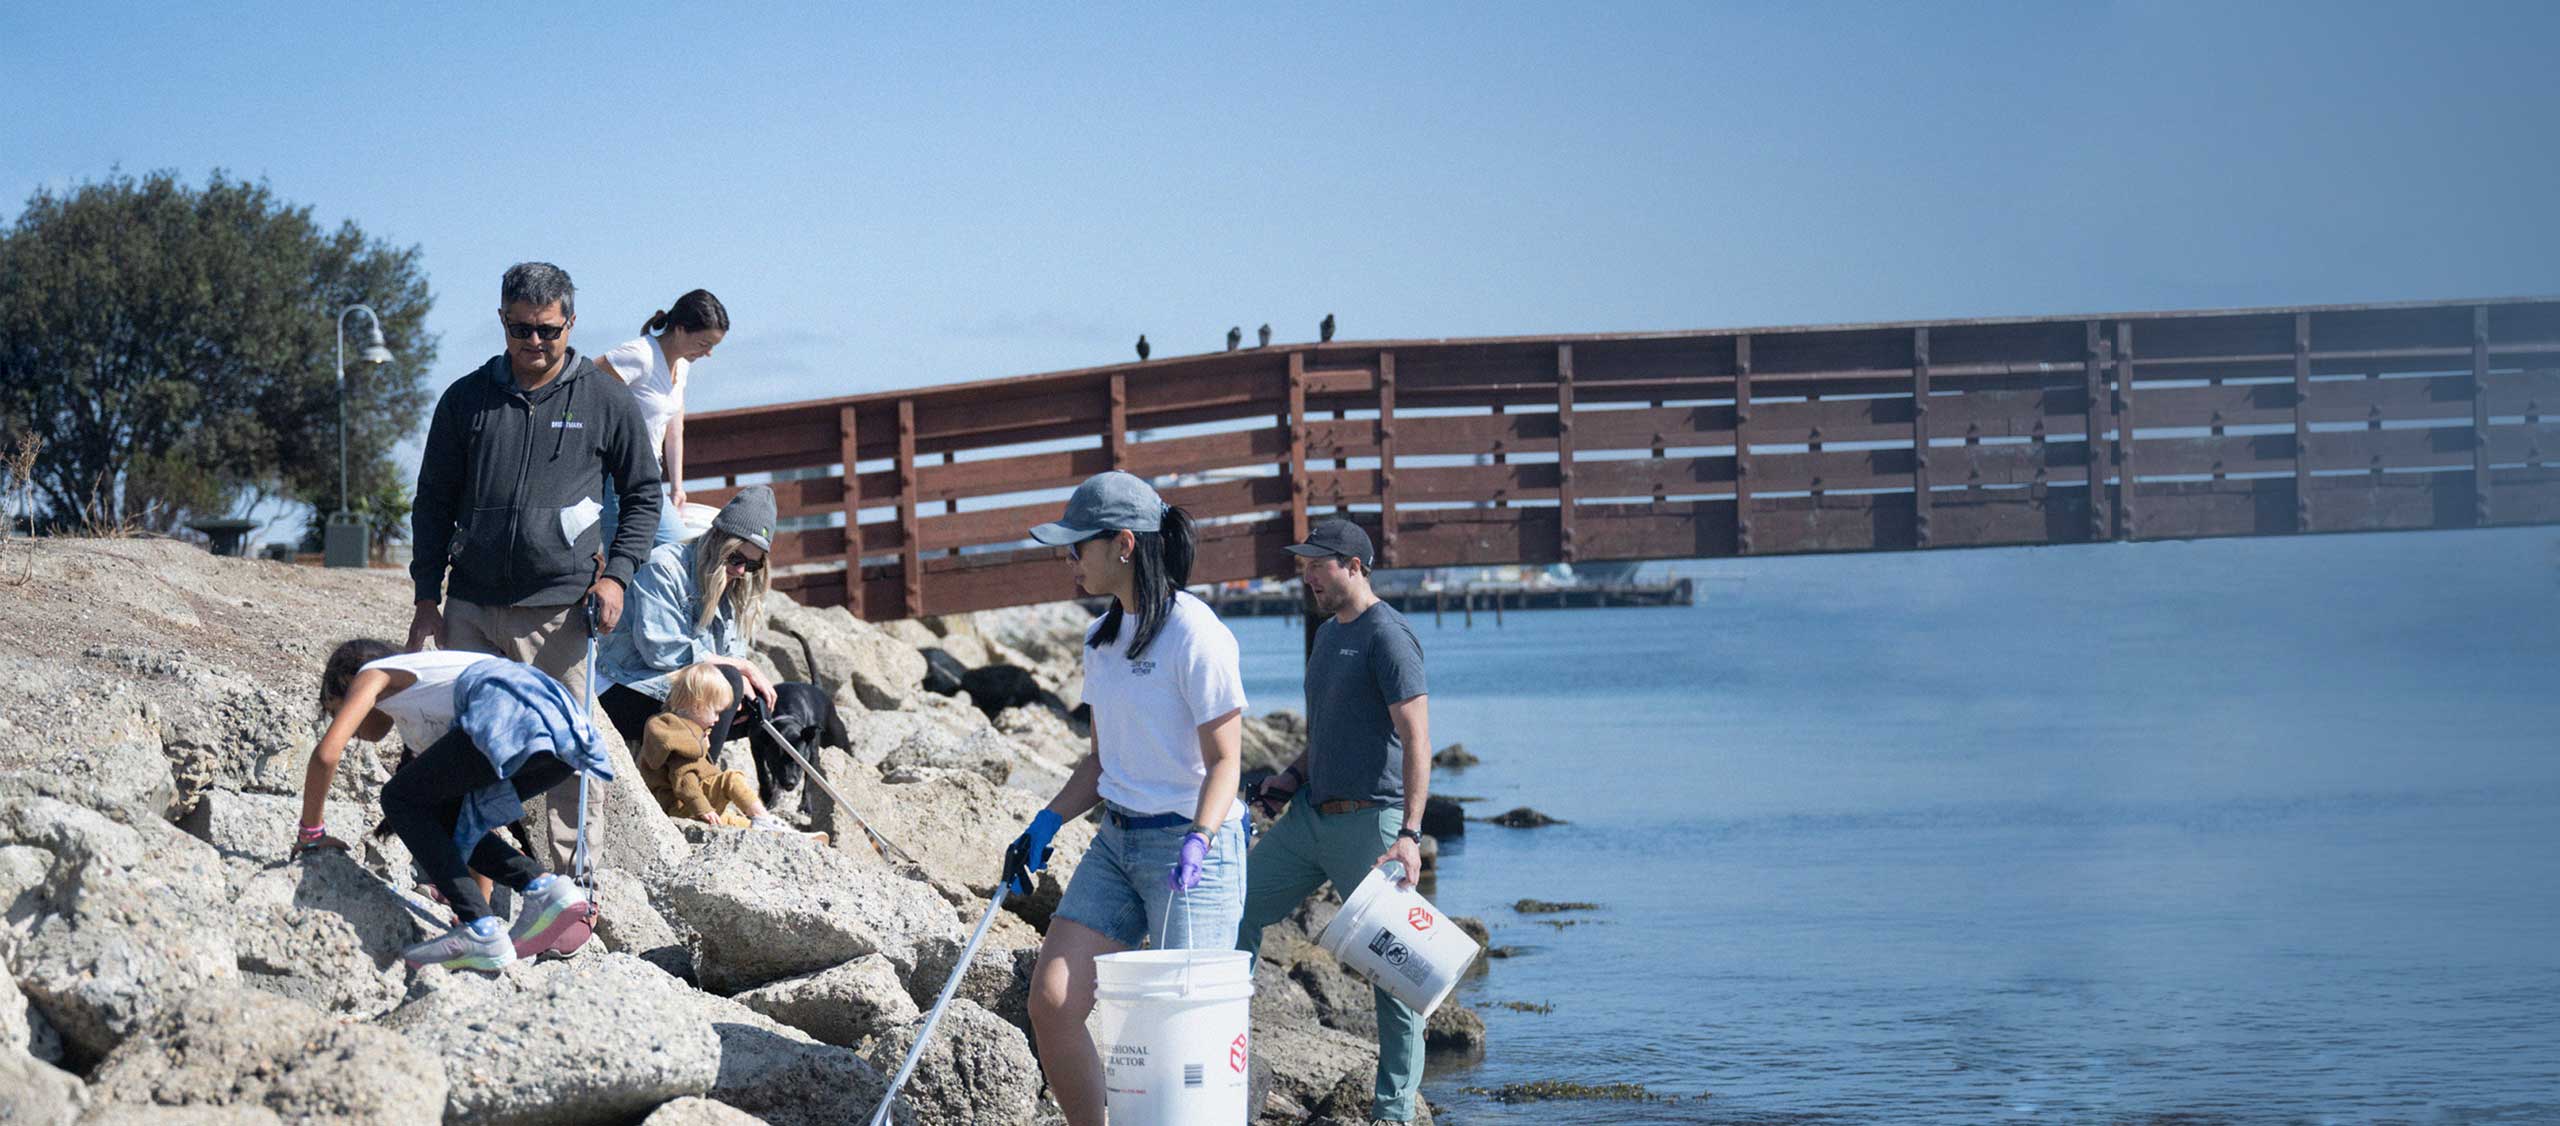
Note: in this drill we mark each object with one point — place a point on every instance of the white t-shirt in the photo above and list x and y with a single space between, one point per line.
655 384
1147 713
423 712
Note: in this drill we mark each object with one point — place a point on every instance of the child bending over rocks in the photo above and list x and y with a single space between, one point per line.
675 758
495 733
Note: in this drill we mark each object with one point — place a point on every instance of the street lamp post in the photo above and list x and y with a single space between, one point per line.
344 544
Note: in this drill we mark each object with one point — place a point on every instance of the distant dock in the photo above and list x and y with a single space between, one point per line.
1469 600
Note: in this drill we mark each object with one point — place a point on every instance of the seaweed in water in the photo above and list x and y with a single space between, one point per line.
1546 1090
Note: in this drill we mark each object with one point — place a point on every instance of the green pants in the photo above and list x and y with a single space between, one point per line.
1299 853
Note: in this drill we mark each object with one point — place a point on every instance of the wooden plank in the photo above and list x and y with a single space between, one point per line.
912 554
1297 423
1386 459
1745 427
1021 473
2127 525
2481 511
2301 422
2093 369
1565 547
1920 437
851 452
1340 381
1200 453
1115 441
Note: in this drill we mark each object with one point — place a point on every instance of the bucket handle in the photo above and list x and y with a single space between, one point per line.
1181 901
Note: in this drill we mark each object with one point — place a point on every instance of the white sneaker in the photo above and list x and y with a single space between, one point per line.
772 824
480 944
548 915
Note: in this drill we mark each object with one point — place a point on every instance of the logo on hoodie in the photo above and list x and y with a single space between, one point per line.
568 420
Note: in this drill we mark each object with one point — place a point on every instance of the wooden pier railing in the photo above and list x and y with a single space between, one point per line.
1933 435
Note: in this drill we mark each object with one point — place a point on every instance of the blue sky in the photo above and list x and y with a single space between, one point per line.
887 198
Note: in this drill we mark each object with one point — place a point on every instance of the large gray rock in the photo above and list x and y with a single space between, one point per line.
983 752
780 1074
1047 633
37 1093
691 1111
845 1004
977 1069
1306 1060
847 652
127 918
227 1046
999 975
765 906
629 922
602 1037
1272 741
328 933
260 827
967 822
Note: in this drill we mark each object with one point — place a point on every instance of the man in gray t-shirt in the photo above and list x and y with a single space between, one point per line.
1360 786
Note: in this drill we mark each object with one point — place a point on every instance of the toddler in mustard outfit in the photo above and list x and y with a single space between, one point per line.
675 758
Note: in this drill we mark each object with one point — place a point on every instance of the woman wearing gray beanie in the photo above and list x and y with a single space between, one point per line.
697 600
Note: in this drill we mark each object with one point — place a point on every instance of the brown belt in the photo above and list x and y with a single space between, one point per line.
1346 805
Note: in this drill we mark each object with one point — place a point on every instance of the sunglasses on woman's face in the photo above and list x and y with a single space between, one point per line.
741 562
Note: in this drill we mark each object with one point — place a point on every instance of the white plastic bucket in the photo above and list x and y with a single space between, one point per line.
1399 941
695 519
1174 1031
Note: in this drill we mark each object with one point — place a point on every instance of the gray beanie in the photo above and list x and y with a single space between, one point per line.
748 516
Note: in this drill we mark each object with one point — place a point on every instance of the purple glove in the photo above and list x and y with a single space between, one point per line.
1186 871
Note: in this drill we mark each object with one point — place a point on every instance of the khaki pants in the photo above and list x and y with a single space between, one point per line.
550 638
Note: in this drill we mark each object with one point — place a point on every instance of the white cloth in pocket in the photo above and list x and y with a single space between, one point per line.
577 518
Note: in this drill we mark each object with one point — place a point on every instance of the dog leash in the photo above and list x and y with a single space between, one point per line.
880 844
950 985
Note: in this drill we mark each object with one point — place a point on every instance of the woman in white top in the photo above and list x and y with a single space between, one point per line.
655 365
1168 863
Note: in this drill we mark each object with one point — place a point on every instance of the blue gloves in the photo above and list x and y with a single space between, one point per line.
1029 852
1186 871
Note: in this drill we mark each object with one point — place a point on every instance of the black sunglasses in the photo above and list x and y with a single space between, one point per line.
522 331
750 565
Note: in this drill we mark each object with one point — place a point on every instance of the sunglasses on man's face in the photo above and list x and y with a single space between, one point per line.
522 331
741 562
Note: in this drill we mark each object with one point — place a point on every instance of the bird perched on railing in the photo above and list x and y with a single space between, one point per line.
1266 337
1235 337
1324 330
1142 347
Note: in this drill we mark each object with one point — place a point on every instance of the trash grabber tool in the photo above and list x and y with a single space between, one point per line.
883 845
924 1035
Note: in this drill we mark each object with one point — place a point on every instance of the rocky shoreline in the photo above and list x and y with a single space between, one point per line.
167 962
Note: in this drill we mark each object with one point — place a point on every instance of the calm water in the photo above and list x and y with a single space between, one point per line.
2244 831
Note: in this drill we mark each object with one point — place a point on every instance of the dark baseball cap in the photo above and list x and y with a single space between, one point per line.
1337 537
1107 502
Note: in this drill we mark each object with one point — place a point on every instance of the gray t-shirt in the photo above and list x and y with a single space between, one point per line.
1355 671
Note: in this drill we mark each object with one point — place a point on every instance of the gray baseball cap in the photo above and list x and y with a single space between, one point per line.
748 516
1107 502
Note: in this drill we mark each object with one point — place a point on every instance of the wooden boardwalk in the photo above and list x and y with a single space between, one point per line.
1534 450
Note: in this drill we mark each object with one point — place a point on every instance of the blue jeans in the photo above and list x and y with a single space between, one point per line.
670 527
1120 891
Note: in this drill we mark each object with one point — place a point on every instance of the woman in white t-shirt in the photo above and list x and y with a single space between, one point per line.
1168 863
655 365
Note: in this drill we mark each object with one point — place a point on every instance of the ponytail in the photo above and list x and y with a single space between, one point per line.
696 311
1161 561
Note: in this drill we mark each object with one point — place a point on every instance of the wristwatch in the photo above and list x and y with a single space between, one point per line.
1414 836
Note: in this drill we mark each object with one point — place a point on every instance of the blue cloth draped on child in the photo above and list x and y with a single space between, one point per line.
513 712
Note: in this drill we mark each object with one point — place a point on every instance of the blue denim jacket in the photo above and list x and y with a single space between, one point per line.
656 636
513 712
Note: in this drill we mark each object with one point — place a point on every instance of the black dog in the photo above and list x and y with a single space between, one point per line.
801 713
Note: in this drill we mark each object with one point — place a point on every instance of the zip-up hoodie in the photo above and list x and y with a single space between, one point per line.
512 484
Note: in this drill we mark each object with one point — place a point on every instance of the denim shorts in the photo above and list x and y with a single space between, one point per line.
1121 891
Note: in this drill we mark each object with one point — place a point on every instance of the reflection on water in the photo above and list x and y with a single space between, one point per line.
2246 831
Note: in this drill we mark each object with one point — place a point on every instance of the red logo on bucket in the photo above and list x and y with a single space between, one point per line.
1420 919
1235 1053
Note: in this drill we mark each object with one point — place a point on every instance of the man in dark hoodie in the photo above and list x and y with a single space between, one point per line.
509 491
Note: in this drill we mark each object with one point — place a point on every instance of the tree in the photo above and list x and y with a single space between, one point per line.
175 349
